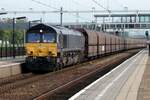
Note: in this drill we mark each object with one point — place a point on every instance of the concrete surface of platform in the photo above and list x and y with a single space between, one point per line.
122 83
11 66
144 89
7 60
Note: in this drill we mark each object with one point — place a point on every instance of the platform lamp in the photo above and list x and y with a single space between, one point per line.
13 37
3 13
34 22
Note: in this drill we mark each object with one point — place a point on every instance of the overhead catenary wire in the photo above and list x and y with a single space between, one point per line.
116 1
56 8
101 6
77 13
83 18
41 3
120 4
79 4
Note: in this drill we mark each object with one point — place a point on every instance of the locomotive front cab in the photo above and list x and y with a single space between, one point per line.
41 47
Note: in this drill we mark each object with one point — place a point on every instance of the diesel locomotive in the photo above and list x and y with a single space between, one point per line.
50 47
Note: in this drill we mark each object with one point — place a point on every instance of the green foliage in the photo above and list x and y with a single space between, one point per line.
1 34
6 35
9 20
19 36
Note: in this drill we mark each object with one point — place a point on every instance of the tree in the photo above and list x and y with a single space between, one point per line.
19 36
1 34
6 35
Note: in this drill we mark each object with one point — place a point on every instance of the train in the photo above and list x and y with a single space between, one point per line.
54 47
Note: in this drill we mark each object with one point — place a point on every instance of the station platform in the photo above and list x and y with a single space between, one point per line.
128 81
9 60
11 66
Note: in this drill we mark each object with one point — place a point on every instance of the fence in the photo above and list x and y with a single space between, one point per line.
6 49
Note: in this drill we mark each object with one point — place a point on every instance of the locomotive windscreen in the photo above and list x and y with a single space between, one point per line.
41 34
41 38
33 37
49 37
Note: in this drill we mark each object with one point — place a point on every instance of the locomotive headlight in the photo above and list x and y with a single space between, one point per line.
40 51
31 52
50 53
41 30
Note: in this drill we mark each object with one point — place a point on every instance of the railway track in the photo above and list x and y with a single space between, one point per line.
12 79
61 84
65 91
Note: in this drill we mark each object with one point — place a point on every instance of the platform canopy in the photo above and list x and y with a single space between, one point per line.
121 15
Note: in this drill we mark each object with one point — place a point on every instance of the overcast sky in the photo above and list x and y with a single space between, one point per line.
70 5
74 4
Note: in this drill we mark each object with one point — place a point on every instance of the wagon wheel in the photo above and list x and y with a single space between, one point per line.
55 68
61 66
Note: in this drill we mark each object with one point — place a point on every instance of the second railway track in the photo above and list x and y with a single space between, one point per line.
61 84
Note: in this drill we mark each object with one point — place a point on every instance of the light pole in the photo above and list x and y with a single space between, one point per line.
13 35
93 13
34 22
61 16
77 18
